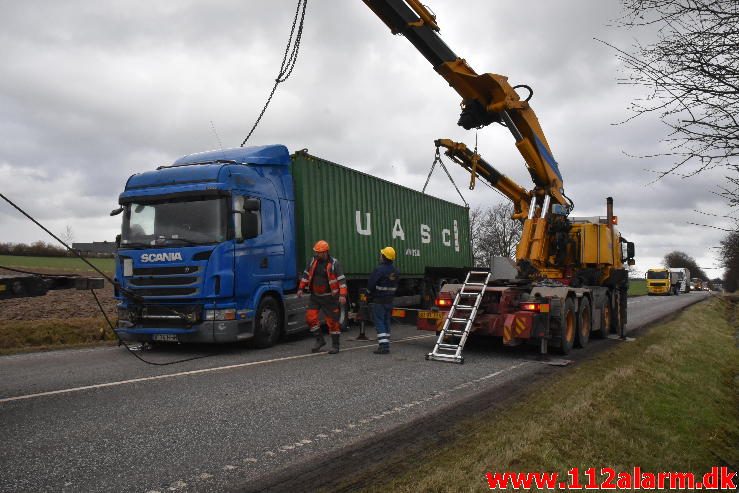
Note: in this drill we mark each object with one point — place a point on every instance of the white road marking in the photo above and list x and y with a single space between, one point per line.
395 410
192 372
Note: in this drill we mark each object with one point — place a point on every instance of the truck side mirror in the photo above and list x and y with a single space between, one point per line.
250 225
251 205
630 250
246 217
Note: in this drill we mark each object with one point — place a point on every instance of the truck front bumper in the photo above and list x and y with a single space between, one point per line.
658 290
206 332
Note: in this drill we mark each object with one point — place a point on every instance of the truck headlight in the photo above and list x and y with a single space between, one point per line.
224 314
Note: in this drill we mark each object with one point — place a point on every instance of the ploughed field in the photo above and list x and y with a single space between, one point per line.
61 304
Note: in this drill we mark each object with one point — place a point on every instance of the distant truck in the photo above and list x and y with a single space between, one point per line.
683 274
662 281
212 246
697 283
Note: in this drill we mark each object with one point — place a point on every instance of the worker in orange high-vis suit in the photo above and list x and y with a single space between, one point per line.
325 280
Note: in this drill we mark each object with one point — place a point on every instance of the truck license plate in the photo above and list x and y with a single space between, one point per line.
165 337
430 314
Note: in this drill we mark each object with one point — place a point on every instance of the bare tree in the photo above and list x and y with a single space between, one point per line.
730 260
68 235
692 73
476 235
494 233
681 259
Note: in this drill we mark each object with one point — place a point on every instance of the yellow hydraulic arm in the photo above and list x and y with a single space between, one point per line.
477 166
486 98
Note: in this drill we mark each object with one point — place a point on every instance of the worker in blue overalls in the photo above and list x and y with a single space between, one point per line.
381 288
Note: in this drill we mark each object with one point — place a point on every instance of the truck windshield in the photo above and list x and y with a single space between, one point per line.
657 274
175 223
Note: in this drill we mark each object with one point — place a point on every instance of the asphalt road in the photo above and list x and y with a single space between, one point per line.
100 420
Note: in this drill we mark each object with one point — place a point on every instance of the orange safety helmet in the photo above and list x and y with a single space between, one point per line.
320 246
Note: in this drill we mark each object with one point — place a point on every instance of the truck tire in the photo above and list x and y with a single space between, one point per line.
618 317
566 327
584 322
606 318
267 325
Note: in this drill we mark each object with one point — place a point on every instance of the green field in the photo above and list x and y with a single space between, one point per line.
57 263
637 287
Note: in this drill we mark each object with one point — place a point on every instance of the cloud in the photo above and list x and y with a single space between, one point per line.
110 89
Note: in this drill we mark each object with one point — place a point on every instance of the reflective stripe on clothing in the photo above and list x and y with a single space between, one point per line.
329 307
381 318
383 282
334 273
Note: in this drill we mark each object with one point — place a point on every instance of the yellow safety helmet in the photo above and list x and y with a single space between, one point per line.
388 252
320 246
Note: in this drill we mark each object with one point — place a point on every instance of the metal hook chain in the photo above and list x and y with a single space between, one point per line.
437 159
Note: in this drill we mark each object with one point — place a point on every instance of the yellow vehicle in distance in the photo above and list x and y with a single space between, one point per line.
661 281
696 283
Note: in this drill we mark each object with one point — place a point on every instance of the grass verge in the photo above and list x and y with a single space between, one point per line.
665 402
20 336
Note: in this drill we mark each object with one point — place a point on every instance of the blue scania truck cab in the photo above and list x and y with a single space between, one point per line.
207 253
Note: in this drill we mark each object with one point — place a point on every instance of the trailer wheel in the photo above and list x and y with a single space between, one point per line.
566 327
267 323
584 322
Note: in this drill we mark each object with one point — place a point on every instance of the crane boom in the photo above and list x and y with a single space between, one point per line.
486 98
477 166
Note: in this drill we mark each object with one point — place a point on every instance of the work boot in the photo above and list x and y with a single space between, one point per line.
382 349
334 344
320 342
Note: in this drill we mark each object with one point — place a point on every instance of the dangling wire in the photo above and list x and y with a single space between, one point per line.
437 159
123 291
289 59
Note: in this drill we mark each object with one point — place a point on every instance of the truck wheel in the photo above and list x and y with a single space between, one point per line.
567 327
267 326
605 319
617 314
584 322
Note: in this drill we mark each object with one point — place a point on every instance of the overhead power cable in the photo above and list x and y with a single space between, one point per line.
289 59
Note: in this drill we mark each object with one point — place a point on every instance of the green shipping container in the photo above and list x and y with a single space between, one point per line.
359 214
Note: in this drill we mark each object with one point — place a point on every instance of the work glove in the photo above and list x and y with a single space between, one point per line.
300 293
342 300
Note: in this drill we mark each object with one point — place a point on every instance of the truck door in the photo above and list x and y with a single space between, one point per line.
260 257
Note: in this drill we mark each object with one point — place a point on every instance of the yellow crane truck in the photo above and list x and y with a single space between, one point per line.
572 271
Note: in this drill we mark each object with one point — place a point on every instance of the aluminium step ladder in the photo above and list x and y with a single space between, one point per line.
458 322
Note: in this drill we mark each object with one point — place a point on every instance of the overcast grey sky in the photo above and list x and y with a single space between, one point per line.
92 92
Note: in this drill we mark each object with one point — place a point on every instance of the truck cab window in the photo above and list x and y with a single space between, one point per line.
176 222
